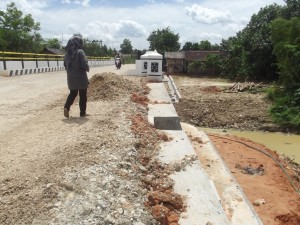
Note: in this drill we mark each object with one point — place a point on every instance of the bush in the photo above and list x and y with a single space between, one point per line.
128 60
273 92
286 107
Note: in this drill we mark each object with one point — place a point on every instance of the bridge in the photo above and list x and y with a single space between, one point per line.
19 63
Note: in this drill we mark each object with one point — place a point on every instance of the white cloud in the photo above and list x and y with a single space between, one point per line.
73 28
66 1
128 28
119 29
78 2
210 36
207 16
244 20
212 20
112 34
99 29
27 7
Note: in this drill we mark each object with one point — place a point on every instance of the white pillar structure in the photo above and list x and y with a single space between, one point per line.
151 65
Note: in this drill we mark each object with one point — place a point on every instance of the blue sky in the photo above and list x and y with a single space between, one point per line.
113 21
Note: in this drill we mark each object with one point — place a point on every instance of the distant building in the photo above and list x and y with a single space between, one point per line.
178 62
175 62
53 51
192 56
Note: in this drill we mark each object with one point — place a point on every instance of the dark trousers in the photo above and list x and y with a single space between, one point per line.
82 100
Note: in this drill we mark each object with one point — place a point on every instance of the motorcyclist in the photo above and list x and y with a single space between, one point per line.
118 61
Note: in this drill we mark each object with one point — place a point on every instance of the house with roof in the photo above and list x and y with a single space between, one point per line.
53 51
178 62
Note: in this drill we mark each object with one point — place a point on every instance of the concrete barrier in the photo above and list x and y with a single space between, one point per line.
15 68
167 123
18 72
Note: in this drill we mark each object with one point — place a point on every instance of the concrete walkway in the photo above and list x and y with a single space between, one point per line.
204 204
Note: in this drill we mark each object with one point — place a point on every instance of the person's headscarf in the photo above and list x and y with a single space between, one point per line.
73 45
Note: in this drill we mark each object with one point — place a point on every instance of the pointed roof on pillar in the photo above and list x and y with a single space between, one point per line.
151 55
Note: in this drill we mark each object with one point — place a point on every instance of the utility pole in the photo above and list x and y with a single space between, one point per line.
62 40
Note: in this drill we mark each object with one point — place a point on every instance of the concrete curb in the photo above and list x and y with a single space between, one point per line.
232 196
203 204
11 73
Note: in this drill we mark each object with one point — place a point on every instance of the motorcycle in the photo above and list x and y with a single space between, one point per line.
118 63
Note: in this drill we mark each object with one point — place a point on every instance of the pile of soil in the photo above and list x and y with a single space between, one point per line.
109 86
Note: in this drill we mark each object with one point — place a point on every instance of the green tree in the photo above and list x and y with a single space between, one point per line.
187 46
213 64
53 43
205 45
285 35
257 42
126 47
202 46
18 32
286 102
197 67
104 51
164 40
95 48
292 9
91 47
232 51
249 55
215 47
195 46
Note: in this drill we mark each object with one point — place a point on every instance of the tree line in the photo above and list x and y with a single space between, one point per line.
20 33
268 49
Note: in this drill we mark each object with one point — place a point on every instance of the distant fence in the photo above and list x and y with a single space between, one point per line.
17 63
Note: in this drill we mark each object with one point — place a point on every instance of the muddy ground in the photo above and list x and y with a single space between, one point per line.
212 103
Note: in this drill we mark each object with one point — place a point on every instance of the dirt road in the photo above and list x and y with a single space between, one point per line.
22 97
55 170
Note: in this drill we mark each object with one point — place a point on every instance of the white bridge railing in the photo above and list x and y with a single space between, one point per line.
15 63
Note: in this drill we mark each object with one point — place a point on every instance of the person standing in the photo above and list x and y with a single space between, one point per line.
76 64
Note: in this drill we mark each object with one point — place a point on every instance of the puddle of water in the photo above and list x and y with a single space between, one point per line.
282 143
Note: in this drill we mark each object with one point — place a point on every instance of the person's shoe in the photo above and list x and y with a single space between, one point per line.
83 114
66 112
